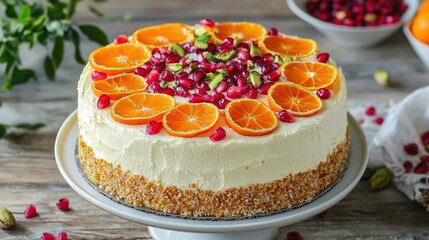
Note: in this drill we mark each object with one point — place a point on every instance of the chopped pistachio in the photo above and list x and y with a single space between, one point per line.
250 64
175 67
237 41
176 47
255 50
278 59
210 57
224 57
380 179
254 78
193 67
202 41
382 77
163 84
216 80
200 30
287 59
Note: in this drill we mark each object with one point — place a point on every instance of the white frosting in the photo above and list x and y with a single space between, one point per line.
233 162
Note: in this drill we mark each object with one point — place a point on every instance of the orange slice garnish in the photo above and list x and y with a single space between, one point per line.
117 59
310 75
238 30
141 108
250 117
163 35
288 46
297 100
190 119
119 86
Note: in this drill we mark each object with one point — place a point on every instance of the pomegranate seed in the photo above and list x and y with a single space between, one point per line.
243 47
103 102
268 58
153 77
408 166
274 76
173 59
276 65
143 71
379 120
208 98
217 96
185 62
349 22
195 98
203 86
392 19
241 81
218 135
294 236
182 75
243 90
263 89
187 84
187 46
155 87
222 87
168 91
199 75
228 41
324 6
311 6
63 204
273 31
207 22
201 92
336 21
233 92
224 49
370 111
167 76
425 138
231 68
223 102
267 69
422 168
424 158
159 67
244 56
322 16
182 92
323 57
241 67
156 53
30 212
286 116
402 8
252 93
412 149
121 39
206 66
153 127
48 236
98 75
62 236
257 59
219 65
323 93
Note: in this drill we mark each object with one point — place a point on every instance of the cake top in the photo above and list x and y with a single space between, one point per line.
197 80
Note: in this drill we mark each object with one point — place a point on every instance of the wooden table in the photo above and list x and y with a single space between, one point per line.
29 175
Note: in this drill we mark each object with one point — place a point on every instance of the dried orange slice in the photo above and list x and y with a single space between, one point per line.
238 30
119 86
117 59
297 100
250 117
190 119
163 35
288 46
310 75
141 108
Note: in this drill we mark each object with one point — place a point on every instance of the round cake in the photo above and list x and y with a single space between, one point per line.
217 119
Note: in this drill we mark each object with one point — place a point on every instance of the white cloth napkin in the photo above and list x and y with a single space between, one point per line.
403 124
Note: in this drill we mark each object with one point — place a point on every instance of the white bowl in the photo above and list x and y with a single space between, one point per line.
355 37
419 47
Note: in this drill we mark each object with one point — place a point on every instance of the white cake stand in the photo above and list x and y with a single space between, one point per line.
164 227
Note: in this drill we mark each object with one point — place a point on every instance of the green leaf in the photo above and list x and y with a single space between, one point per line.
25 14
39 21
3 131
58 51
29 126
72 8
10 11
19 76
49 68
95 34
76 42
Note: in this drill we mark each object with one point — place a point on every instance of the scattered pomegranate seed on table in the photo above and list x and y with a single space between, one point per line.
323 93
153 127
285 116
98 75
218 135
103 102
424 158
379 120
62 236
48 236
425 138
411 149
323 57
63 204
370 111
422 168
408 166
121 39
294 236
30 212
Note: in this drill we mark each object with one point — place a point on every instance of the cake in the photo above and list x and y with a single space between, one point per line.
212 120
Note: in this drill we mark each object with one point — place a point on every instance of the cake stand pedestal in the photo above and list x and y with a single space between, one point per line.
171 227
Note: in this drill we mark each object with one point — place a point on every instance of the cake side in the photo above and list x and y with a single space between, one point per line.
136 190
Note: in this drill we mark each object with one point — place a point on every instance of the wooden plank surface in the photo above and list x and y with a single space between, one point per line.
28 172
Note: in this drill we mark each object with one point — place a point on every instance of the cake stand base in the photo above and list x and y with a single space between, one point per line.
163 234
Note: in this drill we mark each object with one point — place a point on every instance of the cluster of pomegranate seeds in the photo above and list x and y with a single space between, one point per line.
357 13
323 93
98 75
121 39
50 236
218 135
412 149
30 212
370 111
285 116
63 204
294 236
103 102
153 127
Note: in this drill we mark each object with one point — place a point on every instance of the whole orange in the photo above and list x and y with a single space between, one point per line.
420 25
